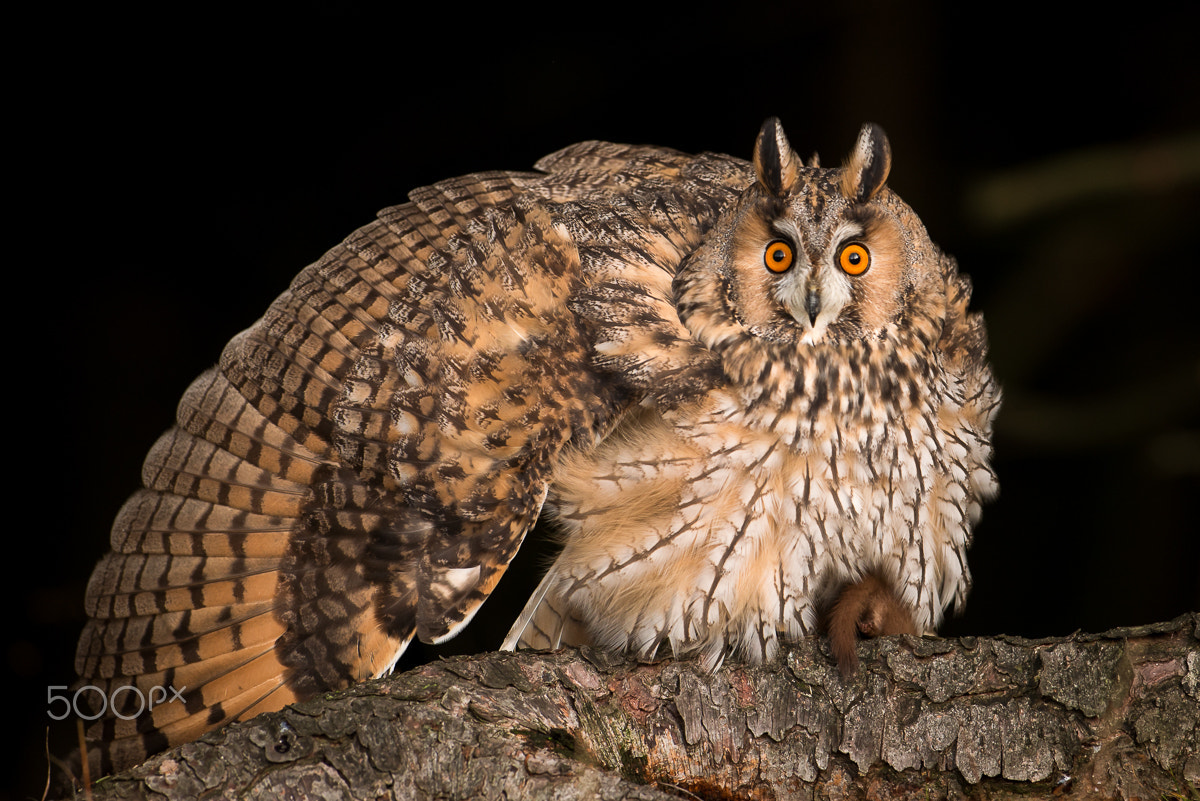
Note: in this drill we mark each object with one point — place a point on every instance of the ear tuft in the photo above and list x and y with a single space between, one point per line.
775 163
867 169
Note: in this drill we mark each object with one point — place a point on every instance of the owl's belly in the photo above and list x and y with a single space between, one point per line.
708 535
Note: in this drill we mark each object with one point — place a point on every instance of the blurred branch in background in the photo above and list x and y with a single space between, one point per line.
1119 171
1105 250
1087 267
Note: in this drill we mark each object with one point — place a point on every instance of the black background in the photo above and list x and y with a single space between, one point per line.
174 170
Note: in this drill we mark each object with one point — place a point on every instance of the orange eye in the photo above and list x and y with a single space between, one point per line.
778 256
854 258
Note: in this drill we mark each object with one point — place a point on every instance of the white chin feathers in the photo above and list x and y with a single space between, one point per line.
814 298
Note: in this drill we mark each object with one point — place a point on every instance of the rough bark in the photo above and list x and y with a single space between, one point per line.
1113 715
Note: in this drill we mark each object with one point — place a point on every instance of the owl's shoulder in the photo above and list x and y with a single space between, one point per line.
612 167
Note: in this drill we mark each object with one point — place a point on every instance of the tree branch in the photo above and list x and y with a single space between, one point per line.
1115 715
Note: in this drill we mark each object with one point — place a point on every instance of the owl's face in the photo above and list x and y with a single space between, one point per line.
811 255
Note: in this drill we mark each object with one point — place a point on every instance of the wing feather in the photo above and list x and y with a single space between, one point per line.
365 460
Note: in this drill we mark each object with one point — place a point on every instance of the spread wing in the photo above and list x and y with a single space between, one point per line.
366 459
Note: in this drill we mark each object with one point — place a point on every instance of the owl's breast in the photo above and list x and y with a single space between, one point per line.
719 526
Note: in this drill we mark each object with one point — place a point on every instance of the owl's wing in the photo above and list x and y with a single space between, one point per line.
366 459
651 209
631 244
976 398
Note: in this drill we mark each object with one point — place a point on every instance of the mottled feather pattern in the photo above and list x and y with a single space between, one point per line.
723 446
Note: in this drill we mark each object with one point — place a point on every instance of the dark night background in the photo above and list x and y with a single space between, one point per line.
175 171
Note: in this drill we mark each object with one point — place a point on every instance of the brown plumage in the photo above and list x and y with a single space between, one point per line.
736 386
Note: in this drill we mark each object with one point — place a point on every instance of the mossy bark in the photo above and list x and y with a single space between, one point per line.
1113 715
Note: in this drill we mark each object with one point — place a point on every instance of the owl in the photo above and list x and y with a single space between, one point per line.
739 390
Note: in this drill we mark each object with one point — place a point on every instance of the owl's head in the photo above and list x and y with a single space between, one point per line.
811 255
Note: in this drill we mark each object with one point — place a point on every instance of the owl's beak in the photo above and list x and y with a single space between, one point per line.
812 304
808 302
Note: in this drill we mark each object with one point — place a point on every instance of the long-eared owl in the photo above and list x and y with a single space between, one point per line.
736 388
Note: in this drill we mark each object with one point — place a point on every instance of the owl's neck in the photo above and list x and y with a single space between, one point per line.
868 380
